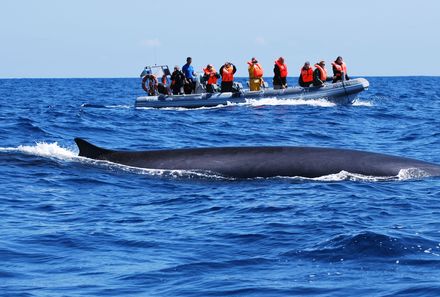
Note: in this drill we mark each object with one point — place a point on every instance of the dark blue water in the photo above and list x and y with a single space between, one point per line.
76 227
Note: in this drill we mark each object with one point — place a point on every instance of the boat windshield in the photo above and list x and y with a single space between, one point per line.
156 70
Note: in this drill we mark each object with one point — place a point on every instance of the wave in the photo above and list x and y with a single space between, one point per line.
55 151
368 244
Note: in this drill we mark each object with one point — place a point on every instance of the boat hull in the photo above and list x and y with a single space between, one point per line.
339 93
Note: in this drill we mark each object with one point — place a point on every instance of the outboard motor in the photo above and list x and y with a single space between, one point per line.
200 84
237 87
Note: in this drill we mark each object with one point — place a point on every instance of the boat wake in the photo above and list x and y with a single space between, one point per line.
322 102
55 152
91 105
275 102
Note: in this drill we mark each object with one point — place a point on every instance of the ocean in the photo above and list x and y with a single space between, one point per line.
71 226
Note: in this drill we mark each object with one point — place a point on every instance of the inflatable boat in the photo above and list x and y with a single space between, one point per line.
344 92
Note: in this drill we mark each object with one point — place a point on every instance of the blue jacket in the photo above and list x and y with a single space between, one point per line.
188 70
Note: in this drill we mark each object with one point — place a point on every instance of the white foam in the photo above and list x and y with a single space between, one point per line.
412 173
344 176
276 101
43 149
359 102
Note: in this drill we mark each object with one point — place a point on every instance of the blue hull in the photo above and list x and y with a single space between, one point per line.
339 93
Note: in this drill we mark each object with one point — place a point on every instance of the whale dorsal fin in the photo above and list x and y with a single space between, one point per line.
88 150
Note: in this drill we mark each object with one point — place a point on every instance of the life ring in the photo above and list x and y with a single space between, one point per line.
149 84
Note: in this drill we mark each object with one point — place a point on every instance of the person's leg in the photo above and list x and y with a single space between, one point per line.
209 88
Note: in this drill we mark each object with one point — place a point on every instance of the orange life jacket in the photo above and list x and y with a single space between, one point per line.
307 75
228 74
322 71
339 68
212 80
283 68
256 71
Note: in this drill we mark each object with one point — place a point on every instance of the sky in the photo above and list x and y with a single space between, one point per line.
113 38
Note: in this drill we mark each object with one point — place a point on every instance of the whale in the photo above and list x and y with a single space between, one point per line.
262 161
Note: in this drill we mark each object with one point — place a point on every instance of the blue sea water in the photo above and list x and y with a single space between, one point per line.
76 227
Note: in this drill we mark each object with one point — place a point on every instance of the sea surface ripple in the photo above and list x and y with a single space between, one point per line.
78 227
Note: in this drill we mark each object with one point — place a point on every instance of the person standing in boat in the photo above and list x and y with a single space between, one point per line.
255 75
227 72
188 71
177 81
211 76
306 76
339 67
320 74
280 74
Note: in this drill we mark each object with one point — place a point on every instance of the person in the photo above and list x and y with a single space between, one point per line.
280 74
211 76
188 71
320 74
255 75
177 81
306 76
227 72
339 67
162 87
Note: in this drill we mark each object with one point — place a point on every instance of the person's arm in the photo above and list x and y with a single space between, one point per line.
316 77
277 73
221 70
234 69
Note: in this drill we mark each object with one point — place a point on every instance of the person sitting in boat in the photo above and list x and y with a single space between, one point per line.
188 71
320 74
162 87
149 84
280 74
211 76
255 75
227 72
177 81
339 67
305 79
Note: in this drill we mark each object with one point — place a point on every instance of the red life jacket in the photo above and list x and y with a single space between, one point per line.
283 68
257 70
228 74
322 71
339 68
212 80
307 75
